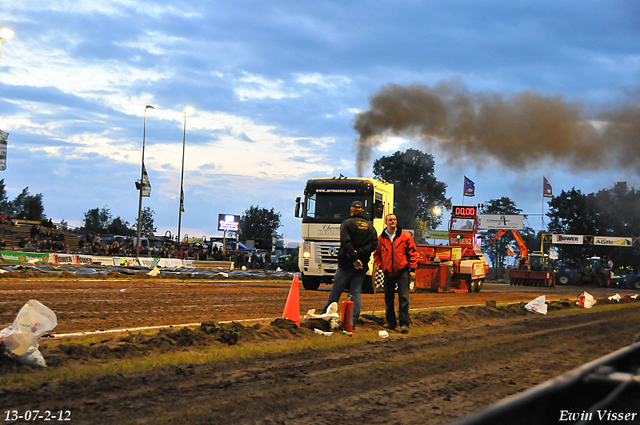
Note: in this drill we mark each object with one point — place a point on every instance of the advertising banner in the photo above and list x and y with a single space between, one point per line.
501 221
103 261
24 257
170 263
64 259
611 241
436 234
149 262
125 261
85 259
568 239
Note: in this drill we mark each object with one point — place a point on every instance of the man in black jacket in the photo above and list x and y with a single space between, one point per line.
358 239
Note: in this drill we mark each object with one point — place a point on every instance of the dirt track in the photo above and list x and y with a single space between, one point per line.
451 364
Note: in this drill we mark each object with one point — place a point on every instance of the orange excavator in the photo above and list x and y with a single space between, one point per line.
533 268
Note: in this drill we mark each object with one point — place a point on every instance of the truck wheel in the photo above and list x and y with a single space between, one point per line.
472 286
310 283
478 285
563 279
636 284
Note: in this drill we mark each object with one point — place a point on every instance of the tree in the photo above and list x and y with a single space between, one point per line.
417 191
572 213
97 220
5 205
609 212
119 227
259 224
28 207
147 226
498 250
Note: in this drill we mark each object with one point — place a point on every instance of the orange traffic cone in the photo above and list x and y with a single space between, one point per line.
292 307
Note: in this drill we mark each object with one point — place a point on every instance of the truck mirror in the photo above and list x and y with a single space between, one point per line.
378 209
297 213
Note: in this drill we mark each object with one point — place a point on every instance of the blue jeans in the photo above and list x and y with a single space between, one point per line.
340 281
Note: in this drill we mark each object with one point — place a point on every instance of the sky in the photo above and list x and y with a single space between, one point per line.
285 91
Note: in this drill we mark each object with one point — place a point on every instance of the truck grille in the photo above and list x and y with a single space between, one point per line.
328 252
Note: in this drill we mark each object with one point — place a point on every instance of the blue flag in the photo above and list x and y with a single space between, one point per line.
469 187
546 188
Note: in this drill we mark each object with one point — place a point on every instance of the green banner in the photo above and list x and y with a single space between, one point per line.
23 257
436 234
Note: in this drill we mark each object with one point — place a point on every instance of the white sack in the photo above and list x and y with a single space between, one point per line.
537 306
20 340
615 297
586 300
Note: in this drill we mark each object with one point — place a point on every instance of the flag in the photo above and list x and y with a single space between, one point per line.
510 251
469 187
146 184
182 199
3 150
546 188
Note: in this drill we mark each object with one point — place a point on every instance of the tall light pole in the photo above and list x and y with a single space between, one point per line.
140 186
4 34
187 110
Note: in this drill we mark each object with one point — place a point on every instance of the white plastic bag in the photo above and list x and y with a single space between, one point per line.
615 297
586 300
21 338
331 315
537 306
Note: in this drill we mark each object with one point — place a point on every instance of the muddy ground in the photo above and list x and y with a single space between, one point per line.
452 363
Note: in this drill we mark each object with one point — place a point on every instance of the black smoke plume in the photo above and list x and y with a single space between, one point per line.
519 130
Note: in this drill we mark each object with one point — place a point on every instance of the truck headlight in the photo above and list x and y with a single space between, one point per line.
306 252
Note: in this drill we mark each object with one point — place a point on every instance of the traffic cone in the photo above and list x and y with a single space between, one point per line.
292 307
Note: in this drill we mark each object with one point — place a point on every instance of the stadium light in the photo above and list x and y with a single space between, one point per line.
4 34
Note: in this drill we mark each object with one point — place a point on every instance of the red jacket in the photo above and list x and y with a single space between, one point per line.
392 257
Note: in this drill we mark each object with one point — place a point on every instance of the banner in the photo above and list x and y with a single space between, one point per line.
610 241
547 192
568 239
23 257
64 259
469 187
149 262
3 150
436 234
84 259
146 184
501 221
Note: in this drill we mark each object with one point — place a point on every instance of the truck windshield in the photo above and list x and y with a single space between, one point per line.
459 224
331 208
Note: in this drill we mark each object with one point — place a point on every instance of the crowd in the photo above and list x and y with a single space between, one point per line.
44 237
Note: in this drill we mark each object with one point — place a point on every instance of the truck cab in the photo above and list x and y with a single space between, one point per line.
325 205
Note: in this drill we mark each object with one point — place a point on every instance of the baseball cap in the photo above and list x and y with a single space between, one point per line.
356 204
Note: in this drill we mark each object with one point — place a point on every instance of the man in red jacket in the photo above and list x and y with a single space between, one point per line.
396 255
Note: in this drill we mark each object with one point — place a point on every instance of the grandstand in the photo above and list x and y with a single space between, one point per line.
14 231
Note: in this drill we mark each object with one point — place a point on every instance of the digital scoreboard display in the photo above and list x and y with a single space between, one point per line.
228 222
464 212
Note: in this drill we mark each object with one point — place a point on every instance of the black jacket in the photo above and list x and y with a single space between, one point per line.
358 239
